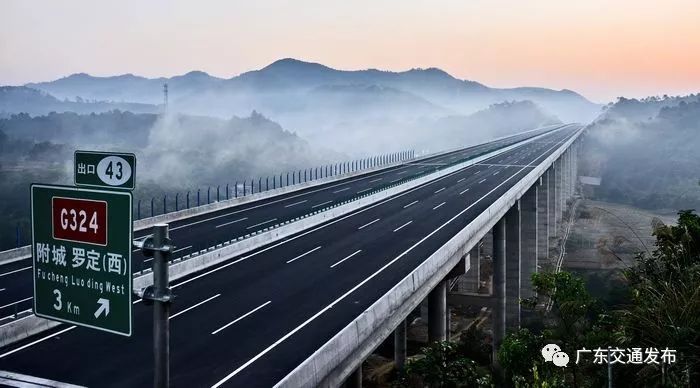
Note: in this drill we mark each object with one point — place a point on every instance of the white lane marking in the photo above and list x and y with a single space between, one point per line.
368 224
496 173
2 289
338 191
17 302
263 250
232 222
181 249
304 254
482 181
296 203
438 206
403 172
362 191
402 226
262 223
461 180
196 305
439 190
358 251
411 204
17 270
395 180
375 180
321 204
241 317
36 342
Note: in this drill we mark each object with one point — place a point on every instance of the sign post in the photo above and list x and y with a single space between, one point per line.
81 249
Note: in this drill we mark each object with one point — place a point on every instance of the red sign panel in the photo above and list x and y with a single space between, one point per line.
79 220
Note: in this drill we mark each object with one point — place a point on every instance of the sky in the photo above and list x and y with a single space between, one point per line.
601 49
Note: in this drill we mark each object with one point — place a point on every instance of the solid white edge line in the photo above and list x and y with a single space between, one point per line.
304 254
196 305
14 303
180 249
241 317
15 271
358 251
37 341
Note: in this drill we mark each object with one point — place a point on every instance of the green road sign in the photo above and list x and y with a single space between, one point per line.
81 251
105 169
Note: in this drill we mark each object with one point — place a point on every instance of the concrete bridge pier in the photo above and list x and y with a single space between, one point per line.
513 265
355 378
400 345
472 279
543 218
552 224
498 316
437 313
529 244
559 201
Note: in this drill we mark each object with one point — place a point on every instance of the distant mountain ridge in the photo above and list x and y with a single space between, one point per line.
291 77
21 99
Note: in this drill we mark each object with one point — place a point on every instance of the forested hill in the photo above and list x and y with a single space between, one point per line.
646 151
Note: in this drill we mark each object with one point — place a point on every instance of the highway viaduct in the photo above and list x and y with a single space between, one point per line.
306 308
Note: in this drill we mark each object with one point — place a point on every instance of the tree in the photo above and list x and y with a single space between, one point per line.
664 310
442 364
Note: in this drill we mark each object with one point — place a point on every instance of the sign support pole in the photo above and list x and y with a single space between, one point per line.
160 248
161 310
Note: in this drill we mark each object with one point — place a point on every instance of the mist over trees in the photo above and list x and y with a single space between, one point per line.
645 151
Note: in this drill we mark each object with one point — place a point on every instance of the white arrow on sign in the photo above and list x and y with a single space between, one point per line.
104 306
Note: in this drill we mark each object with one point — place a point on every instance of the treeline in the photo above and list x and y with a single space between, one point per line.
648 162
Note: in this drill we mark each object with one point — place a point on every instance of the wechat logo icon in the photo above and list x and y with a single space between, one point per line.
552 353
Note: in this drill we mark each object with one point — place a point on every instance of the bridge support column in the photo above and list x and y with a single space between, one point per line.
566 171
400 345
559 169
472 278
498 316
437 313
543 218
513 266
355 379
530 240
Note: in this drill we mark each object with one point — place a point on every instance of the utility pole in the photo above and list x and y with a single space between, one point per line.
160 248
165 97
